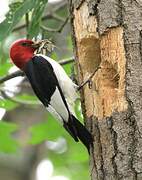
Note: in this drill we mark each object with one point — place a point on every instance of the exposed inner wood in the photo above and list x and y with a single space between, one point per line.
107 94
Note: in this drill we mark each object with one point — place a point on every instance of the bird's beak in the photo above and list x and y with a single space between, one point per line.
36 45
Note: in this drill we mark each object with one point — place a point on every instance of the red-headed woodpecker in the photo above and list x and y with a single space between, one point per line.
52 86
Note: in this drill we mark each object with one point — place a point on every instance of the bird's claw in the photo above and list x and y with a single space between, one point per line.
89 80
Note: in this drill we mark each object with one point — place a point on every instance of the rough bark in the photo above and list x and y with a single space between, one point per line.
108 34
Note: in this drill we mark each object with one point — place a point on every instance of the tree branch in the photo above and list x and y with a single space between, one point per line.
66 61
57 17
12 75
55 30
17 100
49 15
20 73
27 23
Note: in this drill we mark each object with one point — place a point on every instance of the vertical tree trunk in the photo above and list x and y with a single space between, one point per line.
108 34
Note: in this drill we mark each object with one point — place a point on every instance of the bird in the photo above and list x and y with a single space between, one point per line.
53 87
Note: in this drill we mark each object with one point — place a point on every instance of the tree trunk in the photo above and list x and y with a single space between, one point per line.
108 34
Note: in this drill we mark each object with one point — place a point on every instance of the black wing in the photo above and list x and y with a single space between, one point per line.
41 76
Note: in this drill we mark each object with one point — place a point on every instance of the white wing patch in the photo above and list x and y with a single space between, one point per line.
54 113
57 103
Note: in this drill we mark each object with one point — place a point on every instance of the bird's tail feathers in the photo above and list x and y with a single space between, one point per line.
79 131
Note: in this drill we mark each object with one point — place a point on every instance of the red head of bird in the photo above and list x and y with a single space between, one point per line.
22 51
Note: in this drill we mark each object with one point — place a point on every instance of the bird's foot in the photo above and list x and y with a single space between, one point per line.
88 80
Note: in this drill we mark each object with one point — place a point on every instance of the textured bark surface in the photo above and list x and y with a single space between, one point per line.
108 33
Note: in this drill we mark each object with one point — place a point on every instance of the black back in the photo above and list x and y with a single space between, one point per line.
42 78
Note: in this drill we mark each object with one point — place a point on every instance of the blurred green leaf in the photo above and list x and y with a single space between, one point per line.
27 97
76 157
76 171
67 68
34 26
78 110
4 68
54 55
39 133
16 12
45 131
52 23
63 12
7 143
78 153
7 104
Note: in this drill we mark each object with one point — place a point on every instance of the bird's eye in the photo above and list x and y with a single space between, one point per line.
24 44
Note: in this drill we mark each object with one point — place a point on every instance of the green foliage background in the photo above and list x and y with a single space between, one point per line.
74 161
